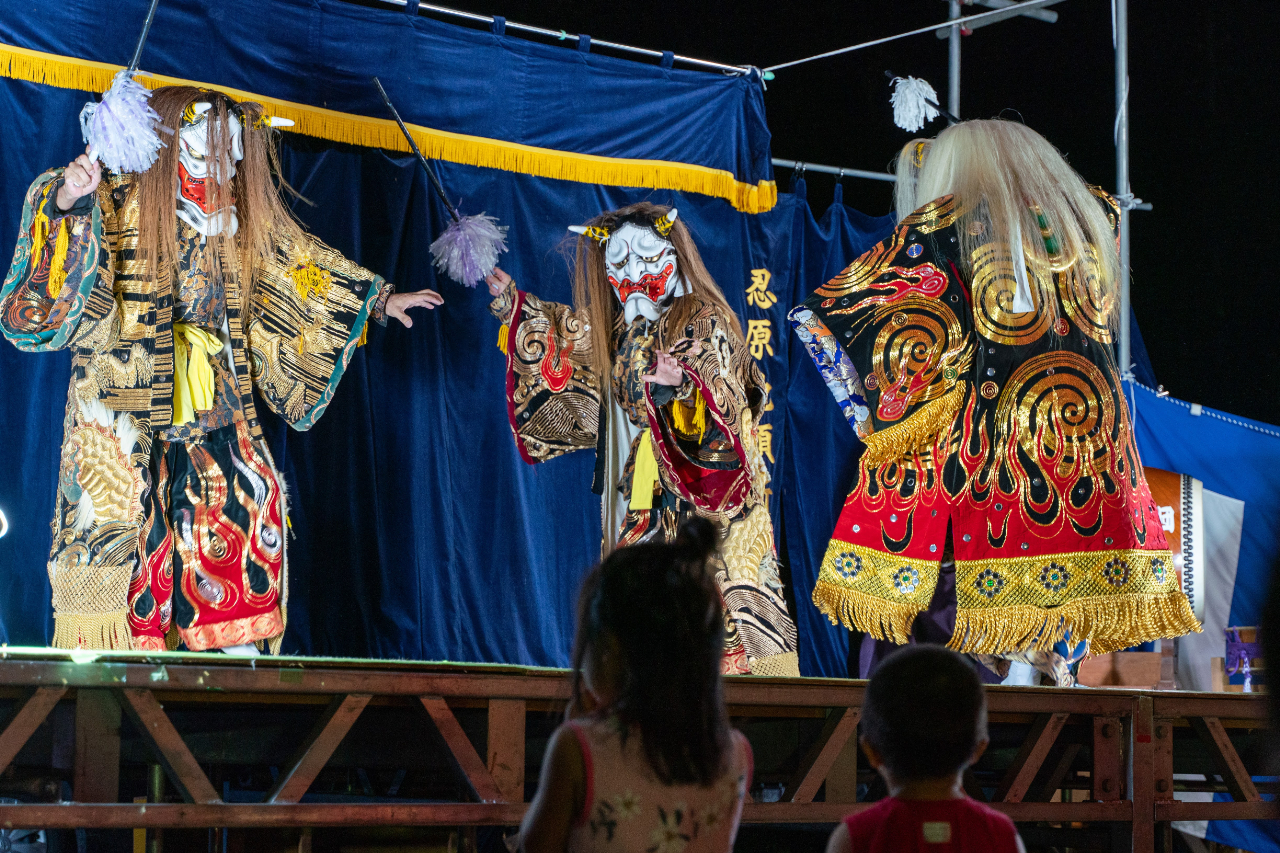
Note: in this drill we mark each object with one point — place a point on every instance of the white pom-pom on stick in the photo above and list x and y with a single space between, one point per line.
914 103
468 249
121 130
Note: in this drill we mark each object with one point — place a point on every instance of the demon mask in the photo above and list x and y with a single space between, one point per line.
640 263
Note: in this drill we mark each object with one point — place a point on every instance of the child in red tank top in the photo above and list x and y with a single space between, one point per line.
924 720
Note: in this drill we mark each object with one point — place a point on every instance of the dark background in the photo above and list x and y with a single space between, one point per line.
1202 78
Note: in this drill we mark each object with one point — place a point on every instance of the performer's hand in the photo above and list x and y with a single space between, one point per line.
497 282
81 178
399 303
667 372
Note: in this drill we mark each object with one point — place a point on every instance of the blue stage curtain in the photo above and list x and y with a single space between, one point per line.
441 76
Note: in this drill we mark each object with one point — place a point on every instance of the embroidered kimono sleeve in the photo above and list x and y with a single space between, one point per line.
704 433
59 290
893 335
310 307
553 394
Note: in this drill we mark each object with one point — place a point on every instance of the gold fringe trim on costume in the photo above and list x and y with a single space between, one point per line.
503 332
70 73
882 619
92 630
917 432
1109 623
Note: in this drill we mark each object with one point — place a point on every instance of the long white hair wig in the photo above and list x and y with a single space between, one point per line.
1011 184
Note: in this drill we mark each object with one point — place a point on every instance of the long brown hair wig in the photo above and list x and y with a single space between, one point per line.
594 297
263 217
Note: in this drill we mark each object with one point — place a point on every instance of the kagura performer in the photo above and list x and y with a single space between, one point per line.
650 369
971 352
180 291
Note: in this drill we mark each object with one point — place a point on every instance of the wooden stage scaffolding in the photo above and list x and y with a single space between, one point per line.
179 740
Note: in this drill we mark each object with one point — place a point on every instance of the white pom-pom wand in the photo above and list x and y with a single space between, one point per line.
121 130
468 249
915 103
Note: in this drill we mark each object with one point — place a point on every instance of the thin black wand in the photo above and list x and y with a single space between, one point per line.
142 39
435 182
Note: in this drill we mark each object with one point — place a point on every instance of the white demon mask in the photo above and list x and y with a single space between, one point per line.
640 263
194 205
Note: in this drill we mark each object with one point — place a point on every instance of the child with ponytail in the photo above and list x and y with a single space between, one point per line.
647 760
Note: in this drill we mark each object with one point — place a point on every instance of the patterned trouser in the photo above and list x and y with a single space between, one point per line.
212 546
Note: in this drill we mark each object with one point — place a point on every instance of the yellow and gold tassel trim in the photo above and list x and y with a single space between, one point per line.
1110 624
69 73
503 333
690 419
92 630
916 433
645 475
40 236
1114 599
882 619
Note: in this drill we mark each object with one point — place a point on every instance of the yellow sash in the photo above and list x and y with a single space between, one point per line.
645 474
192 372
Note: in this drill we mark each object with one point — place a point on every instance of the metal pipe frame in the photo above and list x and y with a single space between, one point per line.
838 171
1123 191
561 35
1115 750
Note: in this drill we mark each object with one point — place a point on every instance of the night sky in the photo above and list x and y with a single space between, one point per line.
1202 76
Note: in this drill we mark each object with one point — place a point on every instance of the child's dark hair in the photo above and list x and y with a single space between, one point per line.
659 601
924 712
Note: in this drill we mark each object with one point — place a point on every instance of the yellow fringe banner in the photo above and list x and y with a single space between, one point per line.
69 73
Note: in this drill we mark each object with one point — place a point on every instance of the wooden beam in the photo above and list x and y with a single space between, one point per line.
506 747
809 776
1178 810
1226 759
842 778
1162 767
463 753
1026 764
96 765
172 752
317 749
1107 774
24 723
128 815
1059 772
1142 765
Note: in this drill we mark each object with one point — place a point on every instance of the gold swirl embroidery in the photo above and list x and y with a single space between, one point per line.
862 273
1084 299
917 355
934 216
994 286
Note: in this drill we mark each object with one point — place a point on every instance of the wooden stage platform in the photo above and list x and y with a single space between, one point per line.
183 740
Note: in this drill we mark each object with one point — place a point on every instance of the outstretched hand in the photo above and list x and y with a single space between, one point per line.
668 370
80 178
399 303
497 281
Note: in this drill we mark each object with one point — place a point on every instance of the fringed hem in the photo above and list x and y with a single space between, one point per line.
884 620
1109 624
70 73
92 630
917 432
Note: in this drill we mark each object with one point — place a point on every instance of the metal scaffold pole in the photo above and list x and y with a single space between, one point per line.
1120 11
953 60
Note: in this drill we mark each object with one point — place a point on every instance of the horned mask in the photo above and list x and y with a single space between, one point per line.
641 266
